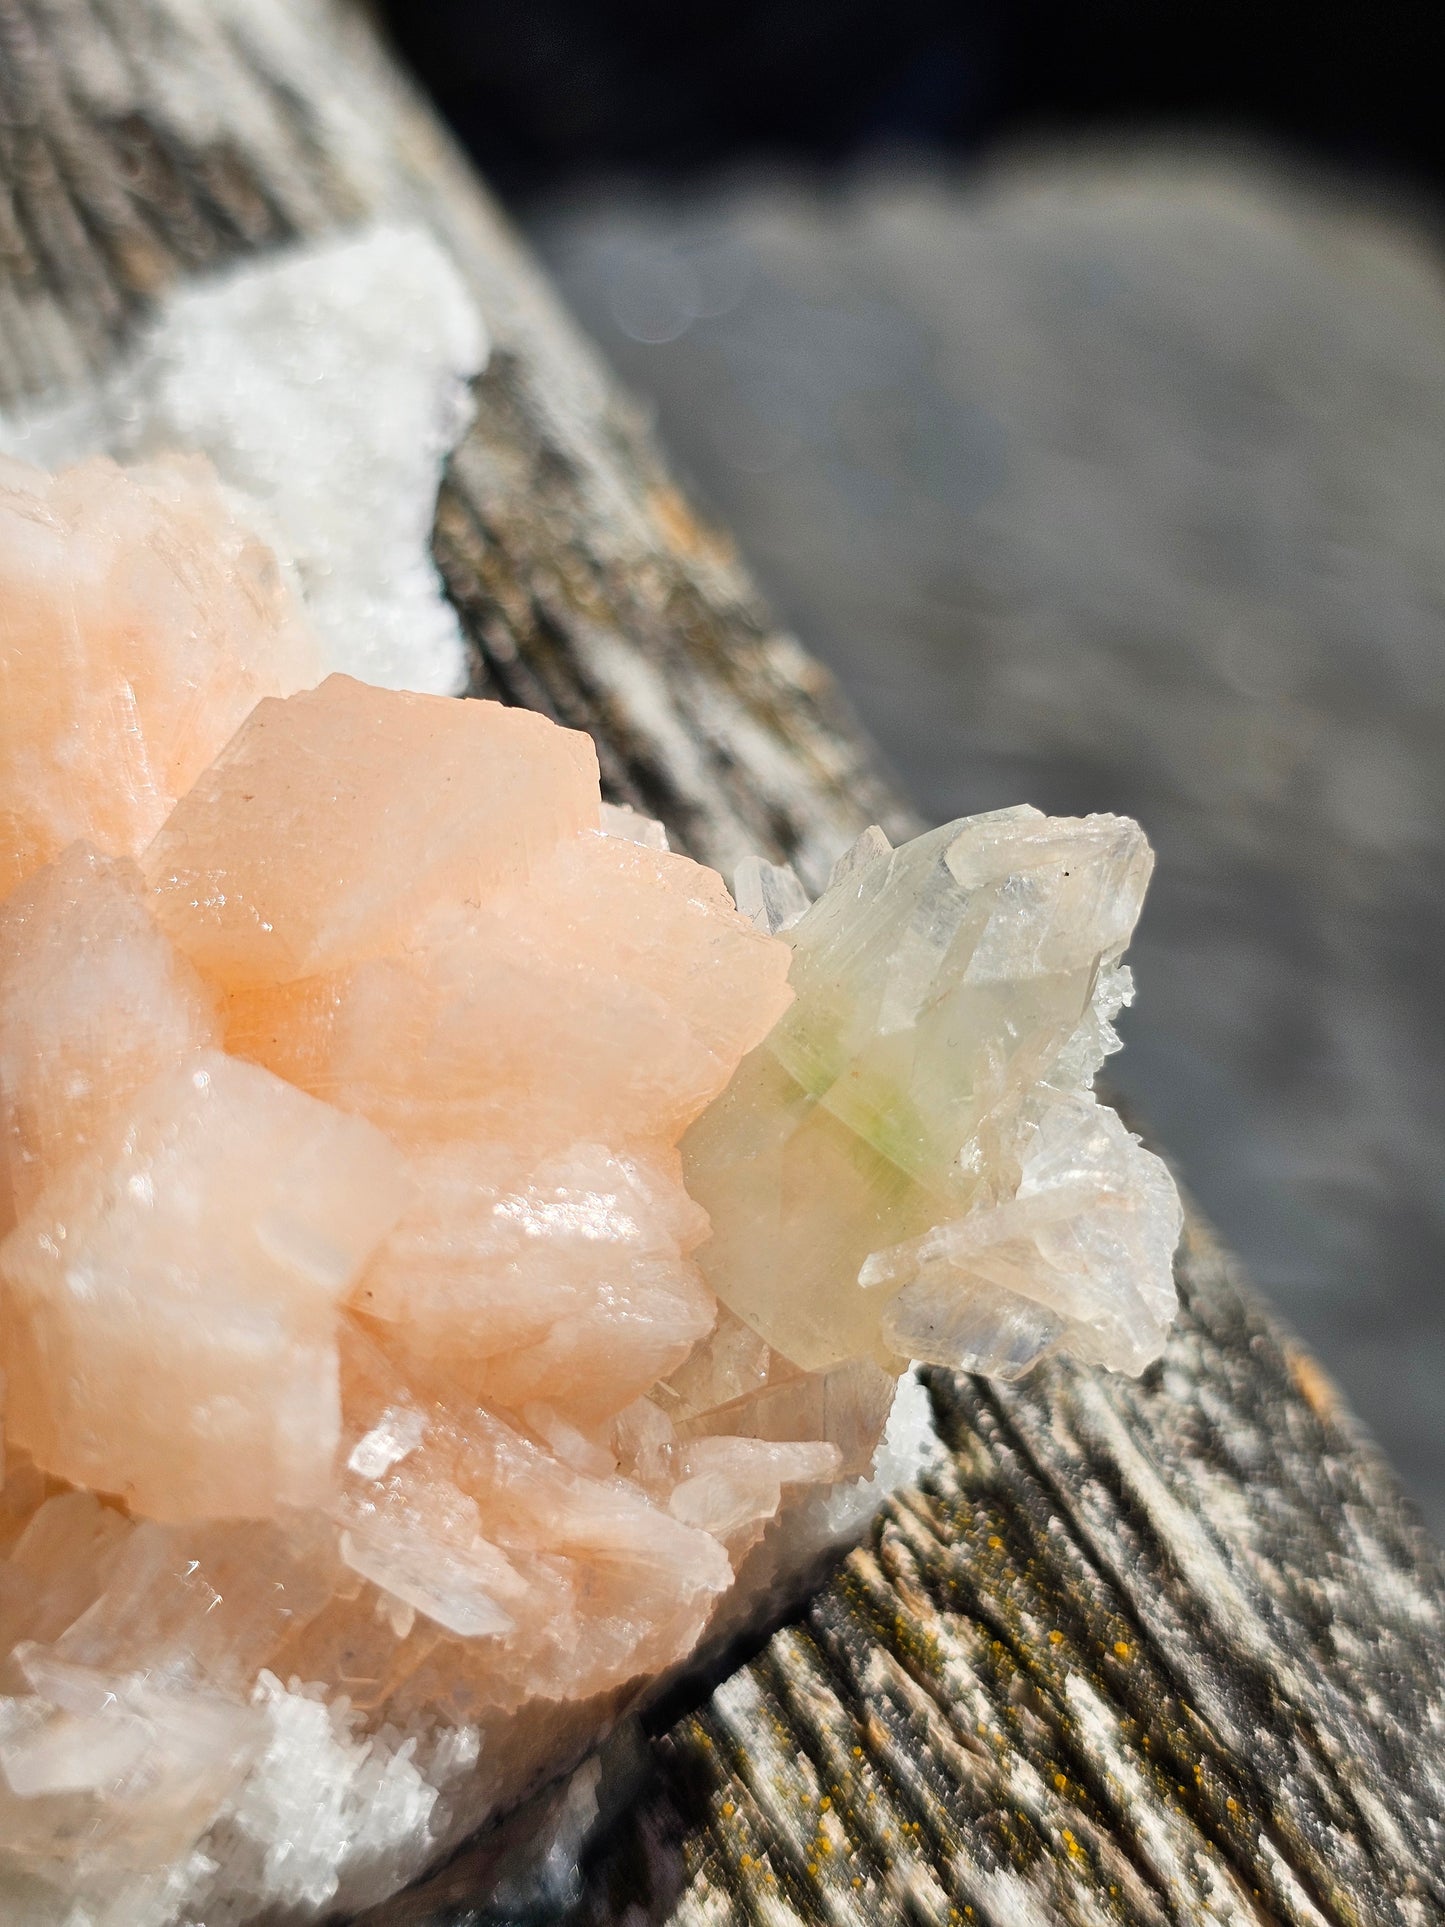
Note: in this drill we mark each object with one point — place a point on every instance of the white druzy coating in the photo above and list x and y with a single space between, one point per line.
327 385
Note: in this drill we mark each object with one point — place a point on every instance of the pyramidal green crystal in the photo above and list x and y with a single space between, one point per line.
913 1164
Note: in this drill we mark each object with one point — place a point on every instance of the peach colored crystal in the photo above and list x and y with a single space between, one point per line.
333 821
171 1297
94 1002
139 624
348 1252
374 1432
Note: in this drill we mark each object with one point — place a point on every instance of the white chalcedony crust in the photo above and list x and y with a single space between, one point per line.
326 385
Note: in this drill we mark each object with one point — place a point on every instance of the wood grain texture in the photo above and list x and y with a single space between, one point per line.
1166 1651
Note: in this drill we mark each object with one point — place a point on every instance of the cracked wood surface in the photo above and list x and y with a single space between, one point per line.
1161 1651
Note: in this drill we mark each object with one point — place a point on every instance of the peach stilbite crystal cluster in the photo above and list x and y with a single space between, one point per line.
383 1408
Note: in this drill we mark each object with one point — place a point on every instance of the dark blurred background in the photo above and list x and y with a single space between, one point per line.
1074 380
547 92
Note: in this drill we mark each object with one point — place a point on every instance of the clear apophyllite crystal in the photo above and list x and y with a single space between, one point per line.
913 1163
441 1236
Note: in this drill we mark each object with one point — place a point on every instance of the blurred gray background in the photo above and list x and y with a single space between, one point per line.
1113 480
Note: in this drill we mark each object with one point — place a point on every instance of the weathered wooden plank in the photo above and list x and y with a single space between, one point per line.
1167 1651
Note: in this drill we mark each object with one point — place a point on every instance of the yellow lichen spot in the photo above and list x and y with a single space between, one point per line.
1061 1781
825 1845
813 1868
825 1803
806 1798
1232 1804
1056 1638
728 1809
681 530
857 1752
995 1544
857 1880
1121 1647
1313 1385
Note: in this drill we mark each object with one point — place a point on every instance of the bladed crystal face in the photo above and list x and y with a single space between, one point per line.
141 624
443 1235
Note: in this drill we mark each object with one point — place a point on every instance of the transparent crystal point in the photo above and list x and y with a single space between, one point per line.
912 1163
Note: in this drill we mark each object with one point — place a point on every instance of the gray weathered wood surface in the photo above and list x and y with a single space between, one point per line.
1166 1651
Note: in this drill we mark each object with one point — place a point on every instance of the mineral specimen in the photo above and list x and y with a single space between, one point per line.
443 1235
916 1146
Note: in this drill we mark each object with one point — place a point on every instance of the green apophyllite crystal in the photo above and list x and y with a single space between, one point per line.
913 1163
